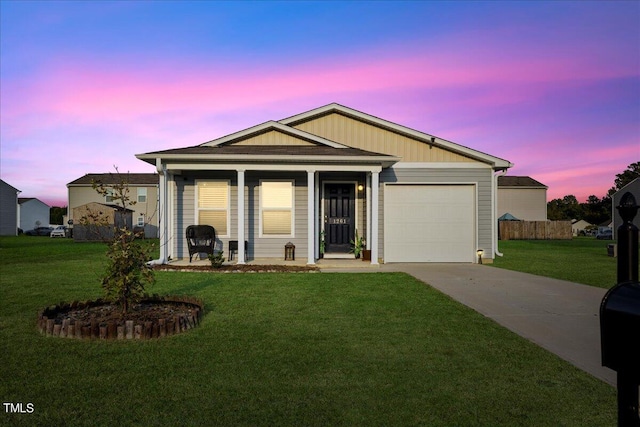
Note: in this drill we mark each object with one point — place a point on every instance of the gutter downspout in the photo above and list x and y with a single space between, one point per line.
163 214
494 214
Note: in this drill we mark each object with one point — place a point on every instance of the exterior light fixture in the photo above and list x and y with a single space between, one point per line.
479 252
360 187
289 252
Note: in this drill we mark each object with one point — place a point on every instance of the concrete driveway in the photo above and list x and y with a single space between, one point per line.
560 316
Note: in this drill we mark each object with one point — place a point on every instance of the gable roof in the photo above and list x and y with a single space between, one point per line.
426 138
519 181
272 126
308 147
9 186
116 178
23 200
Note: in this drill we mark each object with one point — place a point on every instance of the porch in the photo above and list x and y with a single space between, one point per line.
320 212
322 264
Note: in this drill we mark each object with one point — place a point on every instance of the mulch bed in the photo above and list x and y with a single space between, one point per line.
143 312
153 317
242 268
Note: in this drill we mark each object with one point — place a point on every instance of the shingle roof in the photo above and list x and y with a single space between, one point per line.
519 181
117 178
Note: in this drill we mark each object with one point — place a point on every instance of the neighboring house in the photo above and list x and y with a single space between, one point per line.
329 172
579 226
634 188
143 190
97 221
33 213
9 217
523 197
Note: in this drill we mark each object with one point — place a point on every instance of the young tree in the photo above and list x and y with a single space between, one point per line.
127 272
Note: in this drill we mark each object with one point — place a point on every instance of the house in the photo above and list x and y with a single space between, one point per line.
9 217
33 213
634 188
579 227
143 190
323 174
97 221
523 197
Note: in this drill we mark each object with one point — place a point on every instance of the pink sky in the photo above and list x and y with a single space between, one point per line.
553 88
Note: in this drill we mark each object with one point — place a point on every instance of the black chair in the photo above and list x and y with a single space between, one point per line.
200 239
233 247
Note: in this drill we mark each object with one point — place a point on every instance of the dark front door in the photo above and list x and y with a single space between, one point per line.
339 225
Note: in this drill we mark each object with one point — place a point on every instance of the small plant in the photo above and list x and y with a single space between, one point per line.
216 259
322 244
357 245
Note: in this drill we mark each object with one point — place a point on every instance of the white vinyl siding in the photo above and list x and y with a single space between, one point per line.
276 208
212 205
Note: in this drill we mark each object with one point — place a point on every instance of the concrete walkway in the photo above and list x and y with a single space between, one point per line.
560 316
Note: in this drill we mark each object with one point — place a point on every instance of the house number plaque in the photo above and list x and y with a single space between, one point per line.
339 221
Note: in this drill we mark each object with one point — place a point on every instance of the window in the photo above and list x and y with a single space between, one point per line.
276 208
142 195
212 205
108 198
141 221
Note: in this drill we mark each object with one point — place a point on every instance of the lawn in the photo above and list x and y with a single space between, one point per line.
581 260
318 349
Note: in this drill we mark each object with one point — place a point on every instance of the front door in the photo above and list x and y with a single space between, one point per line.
339 219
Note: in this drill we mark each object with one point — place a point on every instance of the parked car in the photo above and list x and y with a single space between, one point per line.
605 234
59 231
39 231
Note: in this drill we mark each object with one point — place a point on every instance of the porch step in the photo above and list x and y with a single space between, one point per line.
338 256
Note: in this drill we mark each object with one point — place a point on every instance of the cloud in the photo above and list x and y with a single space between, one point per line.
559 102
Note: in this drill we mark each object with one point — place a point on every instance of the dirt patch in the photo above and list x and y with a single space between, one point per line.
242 268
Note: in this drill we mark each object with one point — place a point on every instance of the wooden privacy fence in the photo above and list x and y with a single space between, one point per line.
534 230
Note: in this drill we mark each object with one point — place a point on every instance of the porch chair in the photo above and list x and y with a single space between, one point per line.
233 247
200 239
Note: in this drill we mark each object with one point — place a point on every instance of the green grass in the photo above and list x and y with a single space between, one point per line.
278 350
581 260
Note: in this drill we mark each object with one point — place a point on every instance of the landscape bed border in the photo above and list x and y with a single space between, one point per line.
50 325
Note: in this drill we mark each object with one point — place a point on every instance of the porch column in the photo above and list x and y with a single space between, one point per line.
375 182
368 213
241 236
170 248
311 217
163 211
316 219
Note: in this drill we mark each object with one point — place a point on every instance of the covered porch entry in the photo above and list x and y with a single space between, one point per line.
329 206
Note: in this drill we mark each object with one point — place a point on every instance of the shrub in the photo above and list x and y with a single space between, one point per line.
216 259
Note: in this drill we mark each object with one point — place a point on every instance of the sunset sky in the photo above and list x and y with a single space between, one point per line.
553 87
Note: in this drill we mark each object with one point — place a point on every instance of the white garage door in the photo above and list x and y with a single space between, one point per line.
429 223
